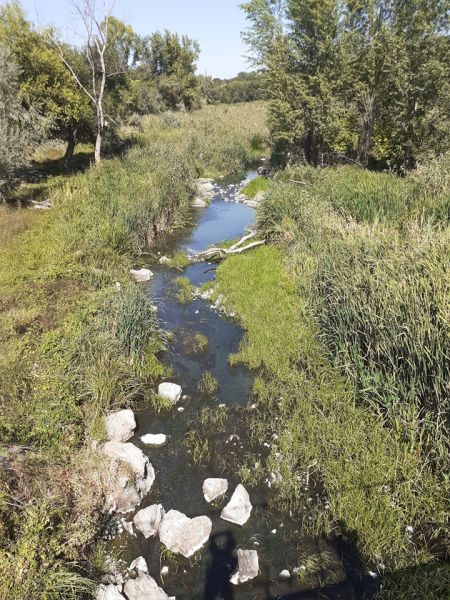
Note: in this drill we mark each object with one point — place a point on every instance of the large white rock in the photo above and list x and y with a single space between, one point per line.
128 453
140 564
205 187
214 488
120 425
239 507
151 439
170 391
148 520
248 567
141 275
183 535
108 592
198 203
144 587
129 478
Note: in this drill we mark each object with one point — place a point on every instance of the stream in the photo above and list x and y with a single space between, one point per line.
179 478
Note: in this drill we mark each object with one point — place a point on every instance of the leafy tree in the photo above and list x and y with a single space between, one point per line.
44 81
171 61
20 128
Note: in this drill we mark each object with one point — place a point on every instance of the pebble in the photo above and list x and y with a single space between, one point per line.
285 574
180 409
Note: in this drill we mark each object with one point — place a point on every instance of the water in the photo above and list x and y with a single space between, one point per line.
179 478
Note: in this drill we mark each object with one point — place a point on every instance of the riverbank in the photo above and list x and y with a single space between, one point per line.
345 322
80 338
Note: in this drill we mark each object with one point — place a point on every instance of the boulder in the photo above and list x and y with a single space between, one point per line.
205 187
213 488
140 564
144 587
164 260
170 391
260 196
148 520
120 425
198 203
239 507
248 567
251 203
141 275
129 479
183 535
108 592
151 439
128 453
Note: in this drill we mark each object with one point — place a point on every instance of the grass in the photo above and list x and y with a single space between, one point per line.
255 186
208 385
179 260
79 337
370 484
184 290
198 344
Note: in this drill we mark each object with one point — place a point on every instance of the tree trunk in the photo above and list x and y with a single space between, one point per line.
71 143
98 145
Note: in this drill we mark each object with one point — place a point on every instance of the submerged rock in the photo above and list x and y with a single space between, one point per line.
285 574
213 488
239 507
144 587
248 567
120 425
183 535
148 520
108 592
158 439
170 391
141 275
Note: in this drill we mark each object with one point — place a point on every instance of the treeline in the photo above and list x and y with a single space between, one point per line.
366 79
245 87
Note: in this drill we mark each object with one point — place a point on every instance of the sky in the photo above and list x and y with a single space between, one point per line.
215 24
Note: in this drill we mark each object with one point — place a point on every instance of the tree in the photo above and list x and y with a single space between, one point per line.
171 62
20 128
108 46
43 79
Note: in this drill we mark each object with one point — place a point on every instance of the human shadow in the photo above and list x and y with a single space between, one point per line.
224 562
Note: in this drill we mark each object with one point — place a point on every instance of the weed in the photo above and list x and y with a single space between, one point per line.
208 385
198 344
259 184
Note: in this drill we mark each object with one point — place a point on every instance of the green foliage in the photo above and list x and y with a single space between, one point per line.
208 385
368 80
20 128
198 344
184 290
259 184
245 87
336 467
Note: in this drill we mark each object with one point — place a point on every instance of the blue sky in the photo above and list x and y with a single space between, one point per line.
216 24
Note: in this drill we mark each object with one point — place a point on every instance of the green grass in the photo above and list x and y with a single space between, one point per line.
259 184
369 483
184 290
79 338
198 344
208 385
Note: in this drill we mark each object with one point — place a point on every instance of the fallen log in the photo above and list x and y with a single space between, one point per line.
236 248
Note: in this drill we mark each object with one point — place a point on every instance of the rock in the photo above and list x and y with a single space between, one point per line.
285 574
130 477
170 391
213 488
158 439
120 425
260 196
128 453
164 260
183 535
239 508
205 187
141 275
251 203
140 564
108 592
144 587
128 527
164 570
248 567
198 203
148 520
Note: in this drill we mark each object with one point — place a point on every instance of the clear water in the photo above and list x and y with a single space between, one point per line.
179 479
